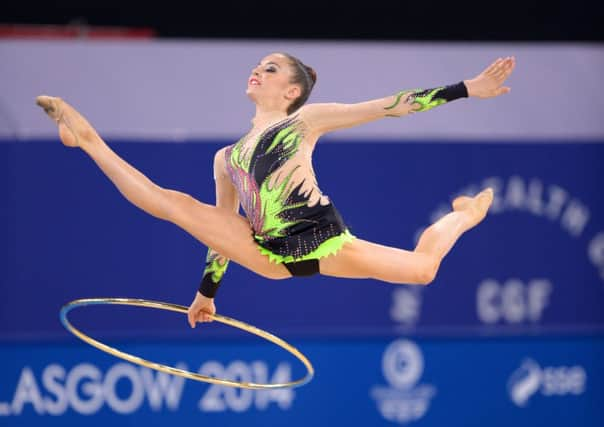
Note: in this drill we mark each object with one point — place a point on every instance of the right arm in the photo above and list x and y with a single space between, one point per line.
216 264
323 118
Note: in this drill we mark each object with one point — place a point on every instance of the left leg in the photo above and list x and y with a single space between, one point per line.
216 227
362 259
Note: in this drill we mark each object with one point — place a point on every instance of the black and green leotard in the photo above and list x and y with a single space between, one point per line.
290 218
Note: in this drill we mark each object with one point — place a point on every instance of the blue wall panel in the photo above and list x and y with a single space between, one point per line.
535 265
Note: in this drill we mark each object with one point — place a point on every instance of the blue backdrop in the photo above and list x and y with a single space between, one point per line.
535 264
534 271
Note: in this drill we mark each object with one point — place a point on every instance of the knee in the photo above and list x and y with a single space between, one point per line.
176 203
177 197
427 270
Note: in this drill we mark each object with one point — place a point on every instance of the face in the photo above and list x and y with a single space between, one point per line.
269 81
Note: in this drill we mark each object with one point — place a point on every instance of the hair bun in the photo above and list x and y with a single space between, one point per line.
312 73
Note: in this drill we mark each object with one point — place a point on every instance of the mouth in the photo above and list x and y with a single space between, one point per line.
254 82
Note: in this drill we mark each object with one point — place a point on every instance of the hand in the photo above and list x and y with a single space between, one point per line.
201 310
488 84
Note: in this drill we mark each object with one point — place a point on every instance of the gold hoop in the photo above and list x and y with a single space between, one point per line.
176 371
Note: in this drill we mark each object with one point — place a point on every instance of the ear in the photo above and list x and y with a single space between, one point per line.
293 92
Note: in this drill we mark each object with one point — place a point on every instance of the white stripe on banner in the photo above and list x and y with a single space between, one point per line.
195 90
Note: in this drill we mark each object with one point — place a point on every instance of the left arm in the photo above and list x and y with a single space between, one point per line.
323 118
226 197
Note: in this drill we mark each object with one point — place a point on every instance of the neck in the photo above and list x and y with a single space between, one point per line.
266 116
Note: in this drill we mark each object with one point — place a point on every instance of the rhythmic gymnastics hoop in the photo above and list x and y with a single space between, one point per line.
176 371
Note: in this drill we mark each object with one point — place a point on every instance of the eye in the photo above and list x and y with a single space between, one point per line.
270 69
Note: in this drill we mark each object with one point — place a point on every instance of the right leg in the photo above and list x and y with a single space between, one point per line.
362 259
218 228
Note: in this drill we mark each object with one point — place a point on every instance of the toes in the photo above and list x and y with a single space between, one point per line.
487 192
485 198
42 100
50 105
46 103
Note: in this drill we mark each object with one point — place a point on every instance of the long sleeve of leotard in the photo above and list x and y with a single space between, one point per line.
215 268
427 99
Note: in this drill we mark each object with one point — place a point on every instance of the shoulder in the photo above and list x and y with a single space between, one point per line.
318 116
313 111
220 153
220 157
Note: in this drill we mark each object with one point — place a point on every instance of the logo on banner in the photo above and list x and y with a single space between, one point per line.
530 379
512 301
406 305
403 400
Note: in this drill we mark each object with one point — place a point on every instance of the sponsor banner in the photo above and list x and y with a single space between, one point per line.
395 381
536 264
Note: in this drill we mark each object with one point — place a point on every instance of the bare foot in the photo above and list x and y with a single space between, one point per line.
74 129
476 207
460 203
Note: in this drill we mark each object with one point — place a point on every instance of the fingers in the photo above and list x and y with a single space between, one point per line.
194 316
505 68
491 69
501 68
503 90
509 67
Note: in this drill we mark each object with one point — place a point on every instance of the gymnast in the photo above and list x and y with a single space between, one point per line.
292 228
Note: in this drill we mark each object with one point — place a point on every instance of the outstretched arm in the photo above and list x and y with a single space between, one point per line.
323 118
216 264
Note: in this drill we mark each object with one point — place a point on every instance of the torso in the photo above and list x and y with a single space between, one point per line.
272 172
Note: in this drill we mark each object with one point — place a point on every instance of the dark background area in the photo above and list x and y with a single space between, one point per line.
514 20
